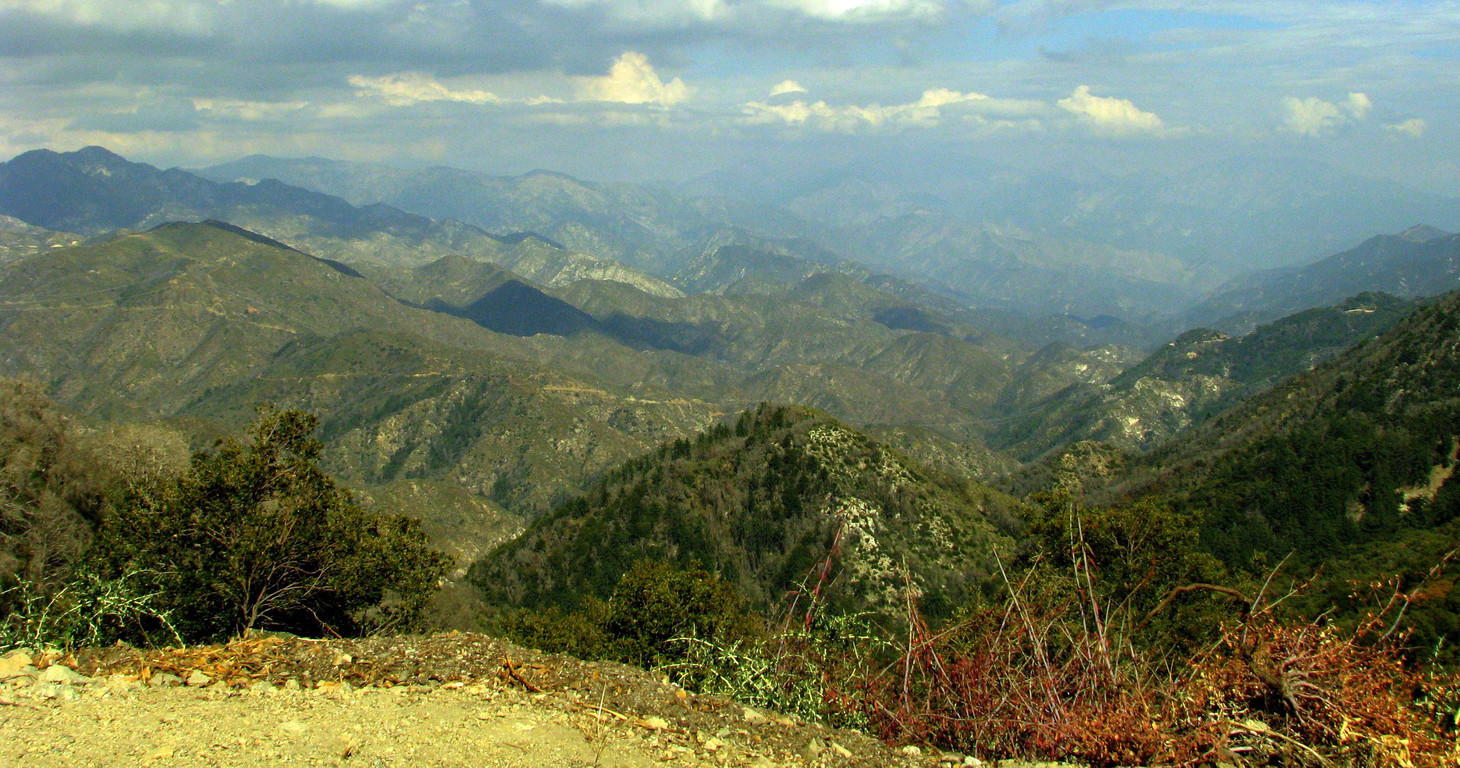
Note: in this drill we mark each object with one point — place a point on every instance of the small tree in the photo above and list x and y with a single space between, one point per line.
256 536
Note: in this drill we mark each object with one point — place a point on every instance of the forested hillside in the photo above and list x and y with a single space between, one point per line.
761 502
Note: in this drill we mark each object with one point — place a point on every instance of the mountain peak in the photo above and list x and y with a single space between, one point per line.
95 153
1423 233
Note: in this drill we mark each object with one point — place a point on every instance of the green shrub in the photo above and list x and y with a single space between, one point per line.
256 536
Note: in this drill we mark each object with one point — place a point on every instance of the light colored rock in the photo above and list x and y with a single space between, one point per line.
813 748
57 691
972 762
60 673
911 750
23 676
12 663
164 680
713 744
198 678
261 686
656 723
840 750
754 717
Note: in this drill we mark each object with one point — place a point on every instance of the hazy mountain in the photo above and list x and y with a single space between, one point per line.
1221 218
644 227
761 500
1420 261
92 191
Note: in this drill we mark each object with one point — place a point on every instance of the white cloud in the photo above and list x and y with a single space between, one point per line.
1107 114
357 5
663 13
249 110
786 86
934 106
1313 116
1358 105
632 80
861 10
1414 128
406 88
189 16
652 13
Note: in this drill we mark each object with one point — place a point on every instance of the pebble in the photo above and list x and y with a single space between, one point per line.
813 748
840 750
164 680
911 750
62 674
197 679
754 717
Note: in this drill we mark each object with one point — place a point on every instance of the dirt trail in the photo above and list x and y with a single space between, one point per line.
458 700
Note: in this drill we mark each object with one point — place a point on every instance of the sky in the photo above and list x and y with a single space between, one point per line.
669 90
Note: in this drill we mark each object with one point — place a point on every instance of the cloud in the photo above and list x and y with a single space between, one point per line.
632 80
928 111
1106 114
862 10
1414 128
1313 116
407 88
187 16
786 86
1358 105
749 13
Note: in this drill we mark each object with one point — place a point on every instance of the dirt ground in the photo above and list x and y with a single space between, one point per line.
443 700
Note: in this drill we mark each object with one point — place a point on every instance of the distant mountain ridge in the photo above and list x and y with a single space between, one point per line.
1420 261
93 190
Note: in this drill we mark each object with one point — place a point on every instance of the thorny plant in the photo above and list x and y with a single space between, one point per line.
87 611
809 667
1024 679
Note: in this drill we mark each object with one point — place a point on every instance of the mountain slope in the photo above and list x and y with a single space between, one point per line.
200 322
1355 453
1200 374
761 502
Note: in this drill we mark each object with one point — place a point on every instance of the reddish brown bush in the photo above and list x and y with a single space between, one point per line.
1025 680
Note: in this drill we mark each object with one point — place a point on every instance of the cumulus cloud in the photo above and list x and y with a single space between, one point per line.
1413 128
1313 116
785 87
632 80
1107 114
935 105
1358 105
406 88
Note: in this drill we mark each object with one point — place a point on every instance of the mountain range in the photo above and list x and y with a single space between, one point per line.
488 399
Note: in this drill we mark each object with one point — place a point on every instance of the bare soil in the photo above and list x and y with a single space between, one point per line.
443 700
